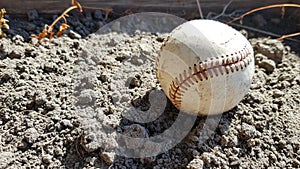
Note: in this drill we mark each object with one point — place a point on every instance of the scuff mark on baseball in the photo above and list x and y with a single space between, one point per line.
205 67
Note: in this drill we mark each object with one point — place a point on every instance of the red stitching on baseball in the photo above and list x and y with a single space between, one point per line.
208 69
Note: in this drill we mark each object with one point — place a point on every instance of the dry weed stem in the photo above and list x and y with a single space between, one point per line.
48 30
282 6
3 22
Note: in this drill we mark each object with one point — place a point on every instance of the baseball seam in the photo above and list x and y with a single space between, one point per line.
206 70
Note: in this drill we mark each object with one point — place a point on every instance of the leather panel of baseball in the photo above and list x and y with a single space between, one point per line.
205 67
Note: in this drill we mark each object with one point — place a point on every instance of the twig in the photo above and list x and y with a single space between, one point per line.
200 10
224 10
287 37
230 15
48 30
282 6
263 8
63 15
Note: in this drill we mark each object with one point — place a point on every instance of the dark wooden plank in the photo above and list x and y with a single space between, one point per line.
182 8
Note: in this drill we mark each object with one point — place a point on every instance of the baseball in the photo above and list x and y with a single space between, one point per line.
205 67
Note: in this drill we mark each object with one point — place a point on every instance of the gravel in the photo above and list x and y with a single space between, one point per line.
42 127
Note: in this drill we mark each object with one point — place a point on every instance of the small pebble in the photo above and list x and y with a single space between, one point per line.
32 15
283 85
67 123
58 151
29 27
74 35
268 65
31 135
247 131
108 157
281 143
206 158
86 96
196 163
98 14
136 131
278 93
47 158
272 157
14 55
18 38
134 82
103 78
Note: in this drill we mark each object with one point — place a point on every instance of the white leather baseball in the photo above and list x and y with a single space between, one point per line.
205 67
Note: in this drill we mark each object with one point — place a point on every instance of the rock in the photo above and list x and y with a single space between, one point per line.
268 65
98 14
108 157
283 85
259 57
235 163
14 55
251 143
34 41
74 35
287 77
296 80
98 25
32 15
133 82
271 48
58 151
74 22
47 158
5 78
248 119
145 48
259 20
39 99
88 17
272 157
206 157
136 60
50 67
18 38
67 123
86 96
195 153
103 78
277 93
281 144
232 141
195 164
84 32
136 131
29 27
22 145
31 135
247 132
244 32
296 163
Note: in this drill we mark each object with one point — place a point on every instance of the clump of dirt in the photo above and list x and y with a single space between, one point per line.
42 86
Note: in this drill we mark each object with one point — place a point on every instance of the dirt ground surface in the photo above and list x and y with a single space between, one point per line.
43 84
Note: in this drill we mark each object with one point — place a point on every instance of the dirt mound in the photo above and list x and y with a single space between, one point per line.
41 127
